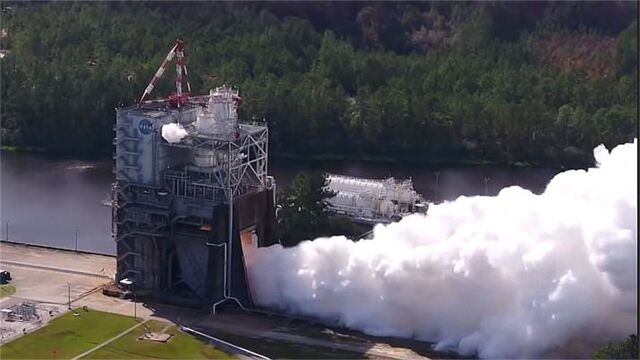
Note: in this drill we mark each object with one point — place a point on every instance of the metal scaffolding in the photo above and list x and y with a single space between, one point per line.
167 190
241 165
183 162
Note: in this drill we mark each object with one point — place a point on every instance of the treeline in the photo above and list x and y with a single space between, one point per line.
438 81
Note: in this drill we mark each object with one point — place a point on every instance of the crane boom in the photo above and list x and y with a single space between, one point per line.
179 98
181 72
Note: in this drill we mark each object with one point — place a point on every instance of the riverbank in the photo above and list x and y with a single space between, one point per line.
416 161
321 158
19 243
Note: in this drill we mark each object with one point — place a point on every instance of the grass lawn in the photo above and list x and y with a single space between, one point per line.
179 346
67 335
7 290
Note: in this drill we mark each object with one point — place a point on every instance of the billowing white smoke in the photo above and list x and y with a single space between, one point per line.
515 275
173 132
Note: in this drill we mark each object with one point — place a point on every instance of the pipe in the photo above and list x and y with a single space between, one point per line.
272 181
214 306
228 260
230 239
224 286
226 290
228 252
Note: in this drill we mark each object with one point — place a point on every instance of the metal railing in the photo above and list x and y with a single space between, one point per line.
183 187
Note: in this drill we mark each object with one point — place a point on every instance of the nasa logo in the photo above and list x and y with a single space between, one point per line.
145 126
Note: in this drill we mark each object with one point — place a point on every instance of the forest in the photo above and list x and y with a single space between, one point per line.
440 82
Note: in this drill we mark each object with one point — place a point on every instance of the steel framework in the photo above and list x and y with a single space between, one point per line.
148 217
173 199
243 167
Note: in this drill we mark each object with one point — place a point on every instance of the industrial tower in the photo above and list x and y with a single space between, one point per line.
192 196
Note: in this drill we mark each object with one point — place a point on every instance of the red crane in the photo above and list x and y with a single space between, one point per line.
178 98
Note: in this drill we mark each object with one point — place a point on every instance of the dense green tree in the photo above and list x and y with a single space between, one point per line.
628 50
303 214
421 81
627 349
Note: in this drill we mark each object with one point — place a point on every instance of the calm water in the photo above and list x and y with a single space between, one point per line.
47 201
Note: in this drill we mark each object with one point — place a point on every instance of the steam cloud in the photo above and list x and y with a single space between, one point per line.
173 132
515 275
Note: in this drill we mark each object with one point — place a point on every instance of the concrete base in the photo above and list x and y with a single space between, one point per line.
155 336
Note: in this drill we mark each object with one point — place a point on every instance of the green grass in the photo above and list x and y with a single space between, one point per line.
70 335
9 148
7 290
25 149
67 336
179 346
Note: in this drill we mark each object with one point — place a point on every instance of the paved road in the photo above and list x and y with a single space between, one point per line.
44 276
250 326
238 325
227 346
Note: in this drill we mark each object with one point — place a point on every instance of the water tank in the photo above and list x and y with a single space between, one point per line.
208 123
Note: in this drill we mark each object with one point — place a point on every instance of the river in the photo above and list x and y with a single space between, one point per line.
58 202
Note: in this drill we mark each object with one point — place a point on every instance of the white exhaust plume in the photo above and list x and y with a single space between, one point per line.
173 132
511 276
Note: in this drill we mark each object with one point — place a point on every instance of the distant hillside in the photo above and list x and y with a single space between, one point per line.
538 82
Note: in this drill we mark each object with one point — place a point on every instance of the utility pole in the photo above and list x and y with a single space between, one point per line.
486 185
76 248
135 314
437 174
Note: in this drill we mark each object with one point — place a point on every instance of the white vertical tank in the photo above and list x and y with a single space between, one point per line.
220 116
219 119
